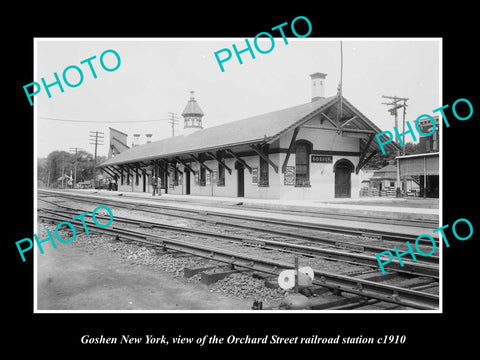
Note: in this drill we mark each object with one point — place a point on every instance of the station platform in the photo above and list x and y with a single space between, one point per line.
375 213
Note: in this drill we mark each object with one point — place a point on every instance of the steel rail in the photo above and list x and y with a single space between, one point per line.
410 268
339 283
321 214
316 227
331 242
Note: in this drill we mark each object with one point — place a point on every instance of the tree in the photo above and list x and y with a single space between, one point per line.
379 161
58 163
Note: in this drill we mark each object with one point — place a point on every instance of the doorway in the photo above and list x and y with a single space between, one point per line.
343 170
186 175
240 179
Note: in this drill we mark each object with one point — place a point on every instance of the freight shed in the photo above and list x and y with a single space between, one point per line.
309 151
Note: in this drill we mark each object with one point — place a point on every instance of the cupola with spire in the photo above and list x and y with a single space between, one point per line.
192 116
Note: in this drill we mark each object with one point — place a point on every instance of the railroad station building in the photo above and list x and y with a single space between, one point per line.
310 151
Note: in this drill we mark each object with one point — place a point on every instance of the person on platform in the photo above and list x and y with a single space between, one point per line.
154 185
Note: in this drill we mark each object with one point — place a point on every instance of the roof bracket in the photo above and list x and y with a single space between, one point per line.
365 149
220 161
109 172
200 162
240 160
185 165
362 163
265 157
290 148
124 168
174 167
140 168
132 168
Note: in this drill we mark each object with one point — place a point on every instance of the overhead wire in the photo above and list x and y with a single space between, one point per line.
101 121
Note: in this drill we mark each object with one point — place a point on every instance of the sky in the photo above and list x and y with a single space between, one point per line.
155 77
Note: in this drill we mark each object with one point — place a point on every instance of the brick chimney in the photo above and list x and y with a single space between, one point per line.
318 85
136 138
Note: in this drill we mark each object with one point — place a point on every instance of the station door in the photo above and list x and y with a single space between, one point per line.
343 173
240 179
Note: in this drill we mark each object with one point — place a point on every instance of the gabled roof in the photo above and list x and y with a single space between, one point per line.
264 128
386 169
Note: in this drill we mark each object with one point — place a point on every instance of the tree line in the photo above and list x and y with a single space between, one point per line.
60 165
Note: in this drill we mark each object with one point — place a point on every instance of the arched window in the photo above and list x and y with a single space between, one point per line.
302 163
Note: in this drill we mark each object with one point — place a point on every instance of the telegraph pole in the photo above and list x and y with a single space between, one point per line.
75 166
95 139
396 104
174 121
393 111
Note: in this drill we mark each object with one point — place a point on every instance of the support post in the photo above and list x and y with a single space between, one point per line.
424 177
296 275
290 148
399 189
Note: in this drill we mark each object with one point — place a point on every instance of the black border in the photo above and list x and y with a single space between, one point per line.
60 333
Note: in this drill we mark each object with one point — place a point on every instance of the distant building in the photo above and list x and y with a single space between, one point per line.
424 167
118 143
384 183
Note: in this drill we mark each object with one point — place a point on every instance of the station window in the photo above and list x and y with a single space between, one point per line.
122 179
221 169
175 177
221 175
136 179
264 168
202 176
302 163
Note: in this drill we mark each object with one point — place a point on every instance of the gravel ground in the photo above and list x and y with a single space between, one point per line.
241 284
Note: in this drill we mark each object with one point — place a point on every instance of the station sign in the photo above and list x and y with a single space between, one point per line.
322 159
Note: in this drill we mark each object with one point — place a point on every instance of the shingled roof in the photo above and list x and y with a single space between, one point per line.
264 128
192 107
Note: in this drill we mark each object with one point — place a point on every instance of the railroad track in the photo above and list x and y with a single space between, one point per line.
245 221
338 283
419 268
323 213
